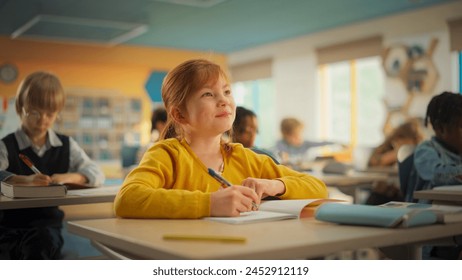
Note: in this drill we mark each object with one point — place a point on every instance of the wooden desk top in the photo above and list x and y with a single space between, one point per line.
354 178
97 195
440 196
288 239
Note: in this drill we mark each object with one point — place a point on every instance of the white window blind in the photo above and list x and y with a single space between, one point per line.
367 47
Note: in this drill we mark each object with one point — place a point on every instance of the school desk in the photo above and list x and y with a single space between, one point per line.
353 182
86 196
452 197
287 239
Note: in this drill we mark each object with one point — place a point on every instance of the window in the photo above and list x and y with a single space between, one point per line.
351 99
258 96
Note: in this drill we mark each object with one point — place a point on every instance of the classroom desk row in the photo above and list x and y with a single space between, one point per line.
353 182
96 195
288 239
438 196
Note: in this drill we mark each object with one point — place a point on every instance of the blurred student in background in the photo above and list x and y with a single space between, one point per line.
245 130
35 233
158 121
292 149
386 153
438 161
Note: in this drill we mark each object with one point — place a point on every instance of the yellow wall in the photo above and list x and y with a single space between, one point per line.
124 69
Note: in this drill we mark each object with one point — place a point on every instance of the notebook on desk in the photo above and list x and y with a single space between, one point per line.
444 213
273 210
32 190
29 190
370 215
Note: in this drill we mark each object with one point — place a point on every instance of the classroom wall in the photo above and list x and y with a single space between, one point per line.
123 69
294 67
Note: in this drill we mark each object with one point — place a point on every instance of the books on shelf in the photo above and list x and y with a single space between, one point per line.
37 191
273 210
444 213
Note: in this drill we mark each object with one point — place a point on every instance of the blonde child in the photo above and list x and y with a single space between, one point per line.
292 148
35 233
172 180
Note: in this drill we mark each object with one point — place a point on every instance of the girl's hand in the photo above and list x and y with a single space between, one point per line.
231 201
265 187
38 179
63 178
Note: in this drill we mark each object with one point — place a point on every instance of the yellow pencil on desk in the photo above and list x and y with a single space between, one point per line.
218 238
225 183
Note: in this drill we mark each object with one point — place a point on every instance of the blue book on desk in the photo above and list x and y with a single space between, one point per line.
369 215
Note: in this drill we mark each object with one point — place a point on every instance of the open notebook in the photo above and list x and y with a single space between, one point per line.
274 210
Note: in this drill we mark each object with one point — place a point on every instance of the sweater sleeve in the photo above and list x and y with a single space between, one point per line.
148 191
298 185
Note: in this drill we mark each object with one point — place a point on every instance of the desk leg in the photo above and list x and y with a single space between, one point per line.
403 252
416 252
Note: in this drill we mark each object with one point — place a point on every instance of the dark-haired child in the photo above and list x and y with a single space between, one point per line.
438 161
245 129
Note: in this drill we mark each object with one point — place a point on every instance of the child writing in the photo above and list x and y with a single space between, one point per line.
35 233
172 180
438 161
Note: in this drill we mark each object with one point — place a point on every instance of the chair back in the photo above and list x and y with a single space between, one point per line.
129 155
407 174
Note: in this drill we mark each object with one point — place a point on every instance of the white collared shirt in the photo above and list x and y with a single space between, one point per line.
78 162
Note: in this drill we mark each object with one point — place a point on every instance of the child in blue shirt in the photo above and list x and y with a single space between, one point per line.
438 161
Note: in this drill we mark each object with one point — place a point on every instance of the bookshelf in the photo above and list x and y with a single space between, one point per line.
99 120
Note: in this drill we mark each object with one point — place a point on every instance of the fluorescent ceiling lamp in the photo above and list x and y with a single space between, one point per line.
64 28
194 3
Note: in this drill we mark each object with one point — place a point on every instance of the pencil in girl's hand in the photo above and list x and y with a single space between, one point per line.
225 183
219 178
29 163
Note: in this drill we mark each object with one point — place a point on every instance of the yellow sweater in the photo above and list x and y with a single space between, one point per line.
171 181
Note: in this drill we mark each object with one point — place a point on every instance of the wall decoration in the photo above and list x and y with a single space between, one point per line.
8 73
413 65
